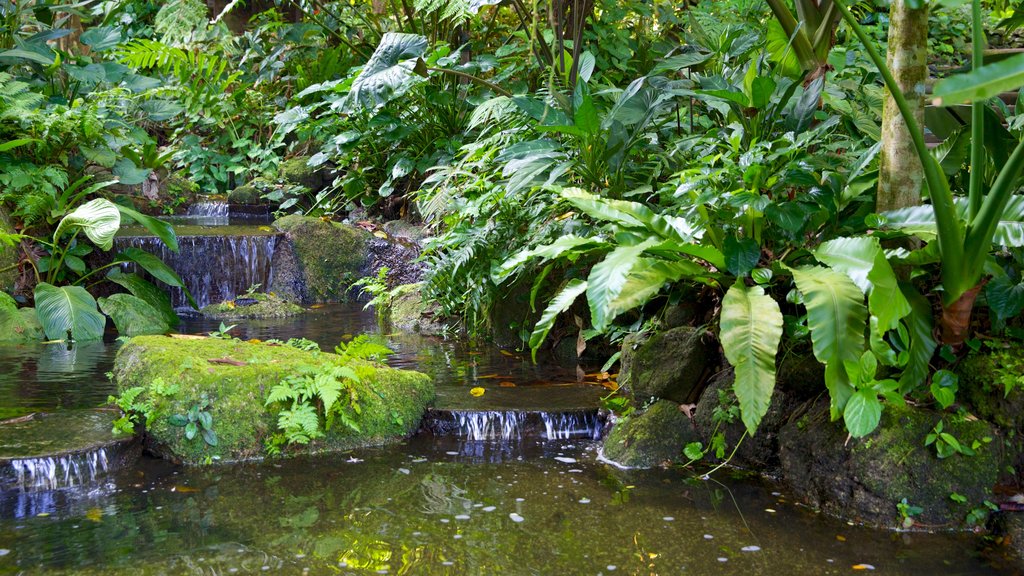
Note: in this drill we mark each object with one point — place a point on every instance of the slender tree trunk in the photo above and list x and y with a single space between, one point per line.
900 175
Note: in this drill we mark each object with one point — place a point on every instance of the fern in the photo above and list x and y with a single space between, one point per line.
362 347
16 98
455 11
178 20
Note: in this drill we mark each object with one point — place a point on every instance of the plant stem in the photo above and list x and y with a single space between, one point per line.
475 79
974 196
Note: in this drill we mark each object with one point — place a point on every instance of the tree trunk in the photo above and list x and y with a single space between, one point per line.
900 175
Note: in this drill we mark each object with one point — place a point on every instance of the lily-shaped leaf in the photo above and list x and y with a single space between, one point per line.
68 310
389 72
98 218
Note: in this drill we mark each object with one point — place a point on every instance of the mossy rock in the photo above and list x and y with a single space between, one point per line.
235 378
671 364
319 260
650 438
297 171
246 194
409 313
865 479
992 383
257 305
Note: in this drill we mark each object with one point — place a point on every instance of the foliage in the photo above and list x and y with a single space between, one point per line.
197 421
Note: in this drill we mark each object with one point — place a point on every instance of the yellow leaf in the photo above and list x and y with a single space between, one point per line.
863 567
507 353
507 384
380 234
478 391
841 538
94 514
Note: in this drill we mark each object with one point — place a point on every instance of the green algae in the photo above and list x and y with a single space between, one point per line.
330 256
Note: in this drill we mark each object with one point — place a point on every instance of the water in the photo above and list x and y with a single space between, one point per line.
55 472
212 213
503 498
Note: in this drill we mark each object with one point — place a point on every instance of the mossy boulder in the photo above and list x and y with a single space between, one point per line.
297 171
318 260
650 438
246 194
865 479
258 305
233 379
672 364
409 313
992 383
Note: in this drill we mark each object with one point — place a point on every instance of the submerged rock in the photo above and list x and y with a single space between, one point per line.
650 438
318 260
257 305
671 364
232 379
865 479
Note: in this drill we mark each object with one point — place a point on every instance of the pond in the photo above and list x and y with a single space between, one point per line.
430 505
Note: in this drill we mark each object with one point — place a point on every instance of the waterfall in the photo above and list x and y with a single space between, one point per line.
567 425
214 268
206 213
56 472
489 425
508 425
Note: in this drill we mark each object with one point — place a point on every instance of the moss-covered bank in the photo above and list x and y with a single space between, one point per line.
256 305
232 379
319 260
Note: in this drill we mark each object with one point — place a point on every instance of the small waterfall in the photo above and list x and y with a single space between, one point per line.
568 425
56 472
214 268
208 210
508 425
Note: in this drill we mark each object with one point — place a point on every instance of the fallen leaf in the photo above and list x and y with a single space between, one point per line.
380 234
478 391
226 360
254 341
507 384
841 538
187 336
94 514
184 489
19 419
863 567
315 306
507 353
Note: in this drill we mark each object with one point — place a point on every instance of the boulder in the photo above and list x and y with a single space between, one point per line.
256 305
672 364
409 313
245 194
991 382
231 379
864 479
297 171
318 260
650 438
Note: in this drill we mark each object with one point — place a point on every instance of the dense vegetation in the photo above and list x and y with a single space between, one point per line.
587 165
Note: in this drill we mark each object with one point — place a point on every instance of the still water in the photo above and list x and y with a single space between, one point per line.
430 505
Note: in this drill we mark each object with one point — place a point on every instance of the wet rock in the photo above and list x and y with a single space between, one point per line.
671 364
409 313
991 383
318 261
650 438
403 230
298 172
398 257
758 452
234 378
1010 526
864 479
246 194
257 305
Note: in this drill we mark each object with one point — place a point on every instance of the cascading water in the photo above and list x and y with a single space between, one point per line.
508 425
214 268
491 425
568 425
207 214
56 472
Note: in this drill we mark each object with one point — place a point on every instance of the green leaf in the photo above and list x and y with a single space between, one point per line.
101 38
560 303
146 290
191 430
98 218
646 280
607 279
836 314
205 420
981 84
741 255
67 309
861 258
128 173
567 243
19 54
862 413
694 451
751 329
133 316
160 228
19 324
178 420
389 72
920 326
944 388
156 267
209 436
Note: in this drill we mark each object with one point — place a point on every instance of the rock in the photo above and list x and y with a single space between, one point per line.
985 379
318 261
864 479
398 257
1010 526
297 171
671 364
256 305
235 377
403 230
650 438
246 194
409 313
758 452
18 324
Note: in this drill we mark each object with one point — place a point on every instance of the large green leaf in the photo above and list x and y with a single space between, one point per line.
18 324
568 243
862 413
98 218
920 221
154 296
863 260
160 228
560 303
922 344
981 84
634 215
607 279
836 314
132 315
68 309
389 72
156 267
646 280
751 329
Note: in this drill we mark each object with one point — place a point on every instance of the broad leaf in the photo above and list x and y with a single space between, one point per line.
741 255
98 218
646 280
607 279
155 267
146 290
129 174
920 221
836 314
861 258
132 315
568 243
560 303
862 413
389 72
160 228
981 84
922 345
68 309
751 329
101 38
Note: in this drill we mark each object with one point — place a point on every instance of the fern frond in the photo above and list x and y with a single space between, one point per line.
454 11
178 20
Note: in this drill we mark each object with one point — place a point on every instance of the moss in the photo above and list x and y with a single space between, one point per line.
252 306
992 382
392 401
409 313
297 171
18 324
8 254
650 438
329 255
670 364
245 194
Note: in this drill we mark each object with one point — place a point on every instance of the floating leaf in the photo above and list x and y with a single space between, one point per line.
477 391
